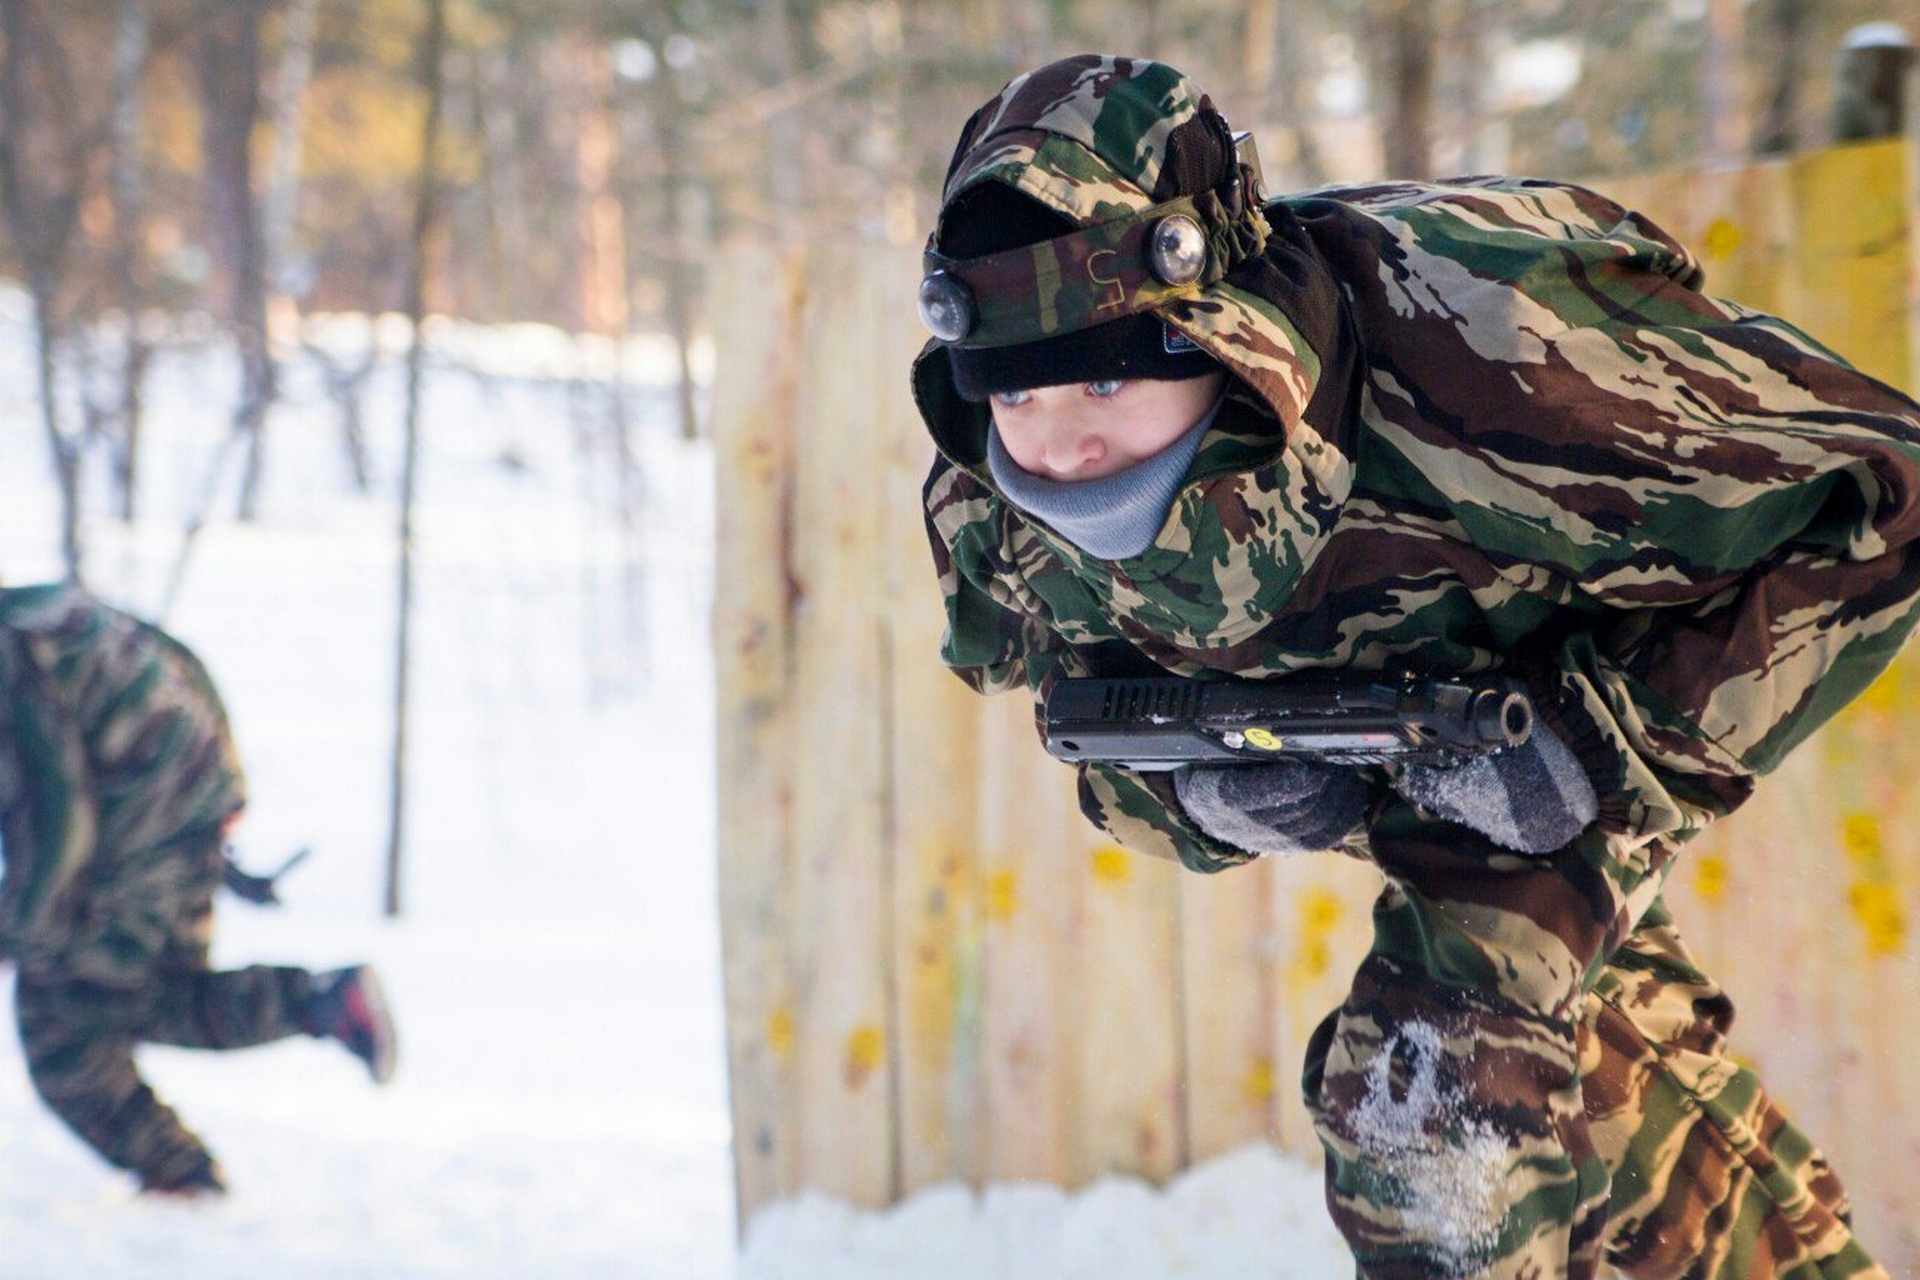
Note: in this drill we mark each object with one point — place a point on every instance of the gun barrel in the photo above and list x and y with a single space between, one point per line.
1339 717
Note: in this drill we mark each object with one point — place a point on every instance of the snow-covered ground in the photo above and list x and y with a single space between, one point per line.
560 1109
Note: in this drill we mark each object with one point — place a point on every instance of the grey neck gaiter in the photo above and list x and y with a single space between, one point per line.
1114 517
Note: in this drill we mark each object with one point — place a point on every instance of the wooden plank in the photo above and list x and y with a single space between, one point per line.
842 893
1228 944
939 921
1868 898
1741 225
1129 1111
1850 214
1323 910
1030 1022
755 302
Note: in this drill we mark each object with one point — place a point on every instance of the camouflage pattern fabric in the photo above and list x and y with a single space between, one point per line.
79 1038
1478 424
126 763
122 773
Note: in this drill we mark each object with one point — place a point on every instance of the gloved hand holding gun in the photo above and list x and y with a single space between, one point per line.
1271 766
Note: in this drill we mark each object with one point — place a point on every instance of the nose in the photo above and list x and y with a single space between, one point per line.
1071 447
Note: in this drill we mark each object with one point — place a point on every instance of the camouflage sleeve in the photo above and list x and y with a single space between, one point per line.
1732 505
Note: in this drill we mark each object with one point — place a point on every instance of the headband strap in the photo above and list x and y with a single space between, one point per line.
1099 273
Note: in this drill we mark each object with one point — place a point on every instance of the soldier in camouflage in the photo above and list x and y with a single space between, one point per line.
118 779
1439 428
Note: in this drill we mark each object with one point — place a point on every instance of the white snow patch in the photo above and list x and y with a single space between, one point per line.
1251 1212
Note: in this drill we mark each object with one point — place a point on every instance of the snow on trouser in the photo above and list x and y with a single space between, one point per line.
1530 1077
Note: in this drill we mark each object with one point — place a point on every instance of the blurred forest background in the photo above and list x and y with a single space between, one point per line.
200 170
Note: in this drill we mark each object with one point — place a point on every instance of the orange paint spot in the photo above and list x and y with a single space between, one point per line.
1111 865
1003 895
1721 240
780 1032
866 1049
1710 879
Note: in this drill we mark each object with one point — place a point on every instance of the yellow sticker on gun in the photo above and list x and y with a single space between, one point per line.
1264 739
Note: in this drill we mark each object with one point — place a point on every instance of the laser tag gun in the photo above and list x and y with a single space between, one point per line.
1339 717
259 889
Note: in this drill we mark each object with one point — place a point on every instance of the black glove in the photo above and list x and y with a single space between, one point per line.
1283 806
247 886
1533 798
261 890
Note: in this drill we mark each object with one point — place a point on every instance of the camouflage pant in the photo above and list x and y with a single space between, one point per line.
1530 1076
79 1039
79 1032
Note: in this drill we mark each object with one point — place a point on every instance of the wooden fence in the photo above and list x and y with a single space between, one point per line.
935 970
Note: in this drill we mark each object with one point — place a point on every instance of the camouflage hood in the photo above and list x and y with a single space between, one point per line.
1087 138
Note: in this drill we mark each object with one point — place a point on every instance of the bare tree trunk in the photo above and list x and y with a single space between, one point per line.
1406 73
1300 164
506 203
432 55
786 177
128 181
1260 33
230 96
1719 83
1783 62
679 181
346 383
289 132
42 173
603 249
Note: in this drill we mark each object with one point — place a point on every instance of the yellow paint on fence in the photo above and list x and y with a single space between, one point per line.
1710 879
1860 835
780 1032
1721 241
1882 917
1319 915
866 1049
1260 1082
1112 865
1884 695
1873 898
1003 894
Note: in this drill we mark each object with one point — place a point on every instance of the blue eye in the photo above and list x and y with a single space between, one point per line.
1105 387
1012 399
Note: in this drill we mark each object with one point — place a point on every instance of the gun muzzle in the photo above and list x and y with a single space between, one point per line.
1502 717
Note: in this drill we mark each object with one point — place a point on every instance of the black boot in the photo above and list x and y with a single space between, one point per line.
200 1181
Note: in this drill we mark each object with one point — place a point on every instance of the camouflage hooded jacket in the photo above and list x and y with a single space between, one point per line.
1478 424
116 772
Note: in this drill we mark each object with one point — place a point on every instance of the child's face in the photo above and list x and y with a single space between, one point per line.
1087 430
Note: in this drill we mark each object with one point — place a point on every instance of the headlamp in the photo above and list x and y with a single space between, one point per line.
946 307
1177 250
